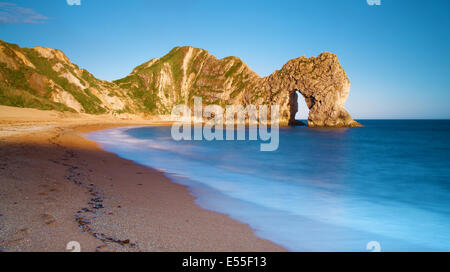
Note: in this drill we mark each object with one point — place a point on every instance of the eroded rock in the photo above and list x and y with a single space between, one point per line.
155 87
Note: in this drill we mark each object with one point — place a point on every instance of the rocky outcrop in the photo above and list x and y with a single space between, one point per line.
45 78
323 84
186 72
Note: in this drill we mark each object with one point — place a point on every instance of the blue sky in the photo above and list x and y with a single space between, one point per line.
396 55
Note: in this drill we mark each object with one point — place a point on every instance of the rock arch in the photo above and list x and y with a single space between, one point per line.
323 84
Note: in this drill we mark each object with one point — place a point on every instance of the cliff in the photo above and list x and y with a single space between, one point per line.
323 84
45 78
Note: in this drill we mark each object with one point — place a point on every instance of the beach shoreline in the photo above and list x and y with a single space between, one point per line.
58 186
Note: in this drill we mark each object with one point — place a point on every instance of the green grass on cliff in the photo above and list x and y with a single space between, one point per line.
142 85
145 100
233 69
90 103
13 76
145 96
89 78
20 98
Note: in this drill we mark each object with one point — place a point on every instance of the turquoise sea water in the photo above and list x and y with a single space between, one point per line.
322 190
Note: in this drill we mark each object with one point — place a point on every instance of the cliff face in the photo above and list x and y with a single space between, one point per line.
45 78
186 72
323 84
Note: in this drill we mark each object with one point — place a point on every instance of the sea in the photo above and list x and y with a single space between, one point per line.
381 187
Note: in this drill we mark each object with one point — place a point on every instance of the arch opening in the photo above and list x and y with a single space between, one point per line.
298 109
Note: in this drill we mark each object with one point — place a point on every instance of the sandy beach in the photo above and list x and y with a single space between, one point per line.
57 187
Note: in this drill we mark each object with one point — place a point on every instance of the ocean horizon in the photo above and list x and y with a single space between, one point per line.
323 189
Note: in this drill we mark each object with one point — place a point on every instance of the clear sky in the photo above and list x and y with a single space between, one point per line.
397 55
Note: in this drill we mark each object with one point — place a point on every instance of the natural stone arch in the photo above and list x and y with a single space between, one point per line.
323 84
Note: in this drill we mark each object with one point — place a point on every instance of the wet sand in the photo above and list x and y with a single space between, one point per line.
56 186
